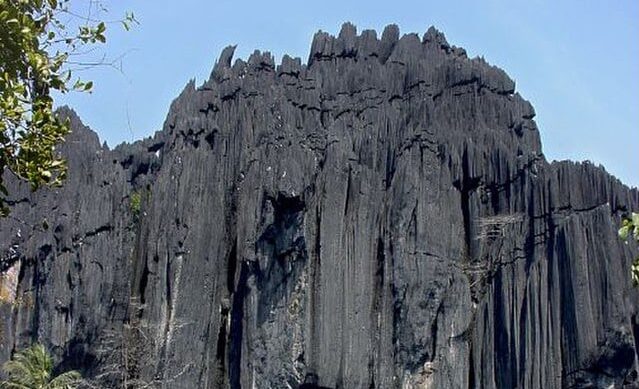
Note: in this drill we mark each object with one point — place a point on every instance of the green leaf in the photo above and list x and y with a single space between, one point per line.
623 232
33 367
635 272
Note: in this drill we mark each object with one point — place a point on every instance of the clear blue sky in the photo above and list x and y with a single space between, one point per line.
576 61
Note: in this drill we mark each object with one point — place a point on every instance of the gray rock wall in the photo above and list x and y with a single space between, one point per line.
382 217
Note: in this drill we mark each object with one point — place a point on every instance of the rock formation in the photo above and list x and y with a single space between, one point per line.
380 217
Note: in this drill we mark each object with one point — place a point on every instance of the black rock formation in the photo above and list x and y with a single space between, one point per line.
381 217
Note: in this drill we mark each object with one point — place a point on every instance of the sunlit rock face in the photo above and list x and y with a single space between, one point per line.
380 217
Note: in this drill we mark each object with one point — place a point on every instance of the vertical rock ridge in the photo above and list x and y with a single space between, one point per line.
379 217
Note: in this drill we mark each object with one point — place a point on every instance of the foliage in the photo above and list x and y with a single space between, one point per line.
630 228
136 203
32 368
39 40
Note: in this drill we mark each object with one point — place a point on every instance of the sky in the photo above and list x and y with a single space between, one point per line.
577 62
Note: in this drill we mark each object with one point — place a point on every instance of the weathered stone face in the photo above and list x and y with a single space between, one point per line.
382 217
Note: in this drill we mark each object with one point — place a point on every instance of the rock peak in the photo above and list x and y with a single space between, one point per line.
388 204
224 62
434 36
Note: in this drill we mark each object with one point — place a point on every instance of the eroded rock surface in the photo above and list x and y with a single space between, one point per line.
381 217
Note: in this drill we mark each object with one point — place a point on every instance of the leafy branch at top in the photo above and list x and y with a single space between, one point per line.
37 38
